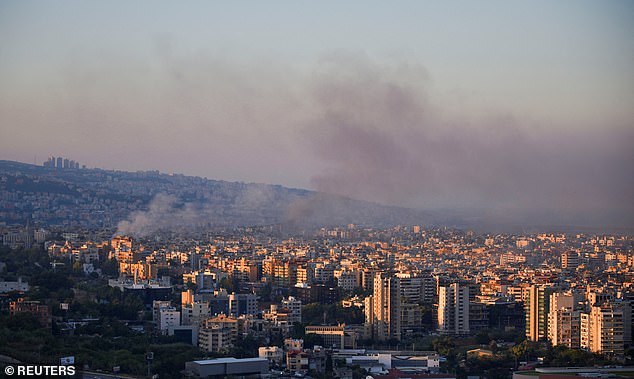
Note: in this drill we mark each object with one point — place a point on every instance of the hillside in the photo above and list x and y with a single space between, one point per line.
149 201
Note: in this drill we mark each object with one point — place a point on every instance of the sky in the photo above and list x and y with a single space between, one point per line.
521 108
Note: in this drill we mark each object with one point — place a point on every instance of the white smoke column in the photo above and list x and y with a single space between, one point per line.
163 214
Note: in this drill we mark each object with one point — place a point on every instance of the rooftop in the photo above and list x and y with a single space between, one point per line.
229 360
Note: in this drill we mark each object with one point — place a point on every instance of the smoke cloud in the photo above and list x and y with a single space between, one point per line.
164 214
347 125
383 140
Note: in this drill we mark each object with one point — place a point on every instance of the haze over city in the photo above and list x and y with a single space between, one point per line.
522 109
317 190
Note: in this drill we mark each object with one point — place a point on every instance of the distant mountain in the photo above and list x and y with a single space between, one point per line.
145 202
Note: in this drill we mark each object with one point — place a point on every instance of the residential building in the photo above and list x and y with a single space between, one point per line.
602 330
168 317
384 315
273 354
453 309
243 304
564 322
537 307
294 306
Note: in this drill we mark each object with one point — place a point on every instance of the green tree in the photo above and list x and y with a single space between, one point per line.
53 281
310 340
444 345
482 337
110 267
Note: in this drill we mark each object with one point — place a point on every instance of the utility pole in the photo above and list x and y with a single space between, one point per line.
149 357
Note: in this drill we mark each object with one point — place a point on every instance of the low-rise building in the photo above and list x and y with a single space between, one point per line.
333 336
40 311
273 354
168 317
297 361
223 367
10 286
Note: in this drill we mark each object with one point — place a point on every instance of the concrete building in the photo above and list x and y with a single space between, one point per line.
293 344
280 272
297 361
367 278
316 293
414 291
564 327
537 306
9 286
243 304
564 321
453 309
280 318
168 317
157 305
215 338
384 315
218 334
305 275
195 312
324 273
478 316
570 260
223 367
596 298
317 359
273 354
421 362
204 280
294 305
331 336
602 330
346 280
184 333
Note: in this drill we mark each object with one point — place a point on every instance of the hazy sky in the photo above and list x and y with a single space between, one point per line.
518 106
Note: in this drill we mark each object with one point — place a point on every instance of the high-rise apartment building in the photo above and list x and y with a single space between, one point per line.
294 305
243 304
194 313
602 330
411 296
215 338
394 310
537 306
596 297
384 315
570 260
346 279
121 244
218 334
305 274
367 278
453 309
280 272
563 320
